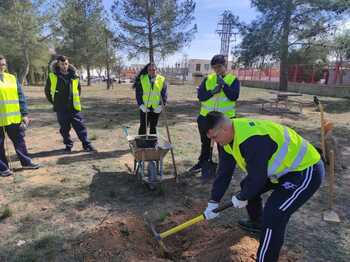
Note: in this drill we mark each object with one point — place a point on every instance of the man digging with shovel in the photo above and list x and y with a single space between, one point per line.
275 158
217 92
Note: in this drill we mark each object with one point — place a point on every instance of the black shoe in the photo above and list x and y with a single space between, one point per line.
196 168
6 173
68 149
250 225
32 166
89 148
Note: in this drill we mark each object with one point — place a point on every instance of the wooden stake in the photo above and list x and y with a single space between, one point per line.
330 215
169 138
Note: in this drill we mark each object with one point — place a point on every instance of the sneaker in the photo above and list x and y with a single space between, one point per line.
89 148
250 225
6 173
68 149
32 166
196 168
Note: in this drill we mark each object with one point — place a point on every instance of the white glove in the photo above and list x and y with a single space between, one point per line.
238 203
158 109
208 213
144 109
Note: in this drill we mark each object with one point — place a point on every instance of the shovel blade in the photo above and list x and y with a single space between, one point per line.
331 216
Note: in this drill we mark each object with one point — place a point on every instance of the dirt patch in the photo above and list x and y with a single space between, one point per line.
128 239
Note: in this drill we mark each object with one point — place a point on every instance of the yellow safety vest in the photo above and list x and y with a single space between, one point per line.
75 90
151 96
293 153
10 112
218 102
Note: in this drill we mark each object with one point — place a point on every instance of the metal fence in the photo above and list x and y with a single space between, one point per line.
335 74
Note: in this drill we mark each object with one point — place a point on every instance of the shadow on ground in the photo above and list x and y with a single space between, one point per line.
91 156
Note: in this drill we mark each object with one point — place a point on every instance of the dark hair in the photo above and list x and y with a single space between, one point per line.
62 58
212 119
218 60
143 71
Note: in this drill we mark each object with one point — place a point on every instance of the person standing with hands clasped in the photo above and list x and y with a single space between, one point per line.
217 92
151 96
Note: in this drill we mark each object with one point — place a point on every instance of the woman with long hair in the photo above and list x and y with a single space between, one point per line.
151 95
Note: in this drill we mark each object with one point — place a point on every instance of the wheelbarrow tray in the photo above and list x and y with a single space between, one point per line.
149 154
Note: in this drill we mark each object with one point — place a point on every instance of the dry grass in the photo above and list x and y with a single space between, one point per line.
72 193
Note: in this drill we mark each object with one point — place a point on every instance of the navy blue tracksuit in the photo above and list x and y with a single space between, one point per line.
16 133
288 195
69 119
67 116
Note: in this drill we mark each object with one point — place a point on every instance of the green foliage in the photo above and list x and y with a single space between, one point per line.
308 55
341 45
284 25
22 39
5 212
154 27
82 31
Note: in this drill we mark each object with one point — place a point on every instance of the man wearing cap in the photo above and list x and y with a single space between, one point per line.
219 91
275 159
13 120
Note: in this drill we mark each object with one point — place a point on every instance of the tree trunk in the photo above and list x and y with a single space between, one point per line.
108 82
88 75
283 85
150 33
25 67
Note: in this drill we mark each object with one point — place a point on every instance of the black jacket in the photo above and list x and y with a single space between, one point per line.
63 100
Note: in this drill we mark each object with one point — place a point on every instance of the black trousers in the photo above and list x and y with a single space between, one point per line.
292 191
205 141
152 119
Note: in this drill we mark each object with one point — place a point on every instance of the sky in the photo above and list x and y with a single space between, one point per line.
207 14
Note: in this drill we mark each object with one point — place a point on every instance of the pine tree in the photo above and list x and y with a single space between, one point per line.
82 32
22 34
286 24
154 27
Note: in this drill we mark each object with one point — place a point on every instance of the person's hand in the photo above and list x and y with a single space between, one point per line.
158 110
216 90
143 108
208 213
220 80
25 122
238 203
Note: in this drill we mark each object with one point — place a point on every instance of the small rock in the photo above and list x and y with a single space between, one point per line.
20 243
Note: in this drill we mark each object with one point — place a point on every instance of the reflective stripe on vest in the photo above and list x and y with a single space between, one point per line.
151 96
75 90
9 105
218 102
293 152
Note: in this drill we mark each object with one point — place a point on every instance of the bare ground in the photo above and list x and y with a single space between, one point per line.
88 207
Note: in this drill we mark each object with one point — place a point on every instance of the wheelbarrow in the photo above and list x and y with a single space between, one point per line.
148 157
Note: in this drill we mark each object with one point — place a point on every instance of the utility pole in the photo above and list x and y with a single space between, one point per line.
226 29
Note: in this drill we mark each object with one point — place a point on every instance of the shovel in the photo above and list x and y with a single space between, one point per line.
160 236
